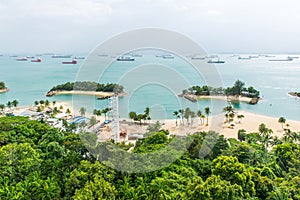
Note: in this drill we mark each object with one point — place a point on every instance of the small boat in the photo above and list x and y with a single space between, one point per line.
216 61
293 57
244 58
125 58
286 59
253 56
29 57
72 62
168 57
80 58
37 60
61 56
21 59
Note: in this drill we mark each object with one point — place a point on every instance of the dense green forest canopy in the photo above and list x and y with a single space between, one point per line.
89 86
41 162
237 89
2 85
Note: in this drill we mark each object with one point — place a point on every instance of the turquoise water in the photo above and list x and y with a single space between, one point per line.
31 81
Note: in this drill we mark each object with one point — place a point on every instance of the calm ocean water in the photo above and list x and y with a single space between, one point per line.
31 81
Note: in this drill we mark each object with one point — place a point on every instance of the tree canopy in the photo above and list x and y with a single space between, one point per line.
41 162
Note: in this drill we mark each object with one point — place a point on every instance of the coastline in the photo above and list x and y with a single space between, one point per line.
4 90
250 123
195 98
77 92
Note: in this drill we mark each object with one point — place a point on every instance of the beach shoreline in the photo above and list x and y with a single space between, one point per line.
195 98
4 90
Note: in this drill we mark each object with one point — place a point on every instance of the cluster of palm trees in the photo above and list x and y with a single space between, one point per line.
230 114
189 115
9 104
42 104
142 116
100 112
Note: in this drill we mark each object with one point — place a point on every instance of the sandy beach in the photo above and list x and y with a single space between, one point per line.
225 98
4 90
250 123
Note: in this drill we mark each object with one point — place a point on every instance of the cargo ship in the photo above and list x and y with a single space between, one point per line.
286 59
21 59
37 60
70 62
216 61
61 56
125 58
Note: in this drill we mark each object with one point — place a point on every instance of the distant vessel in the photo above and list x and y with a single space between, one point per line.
197 58
168 57
80 58
72 62
216 61
37 60
29 57
61 56
244 58
293 57
137 55
21 59
125 58
253 56
286 59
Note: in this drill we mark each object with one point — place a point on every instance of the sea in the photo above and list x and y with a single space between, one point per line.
155 82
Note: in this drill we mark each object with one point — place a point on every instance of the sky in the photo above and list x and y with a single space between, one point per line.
219 26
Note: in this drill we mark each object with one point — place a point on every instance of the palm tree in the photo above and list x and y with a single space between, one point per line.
187 114
132 115
47 103
53 103
42 102
36 103
175 113
68 111
207 112
181 111
265 134
2 107
97 112
82 111
282 121
105 111
240 117
147 113
199 114
9 104
93 121
15 103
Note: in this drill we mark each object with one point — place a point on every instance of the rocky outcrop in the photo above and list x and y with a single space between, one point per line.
51 93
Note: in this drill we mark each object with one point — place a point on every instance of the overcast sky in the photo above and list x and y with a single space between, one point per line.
218 25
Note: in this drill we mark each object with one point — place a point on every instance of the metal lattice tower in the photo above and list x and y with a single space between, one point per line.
114 105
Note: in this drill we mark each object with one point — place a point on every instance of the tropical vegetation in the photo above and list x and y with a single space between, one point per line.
237 89
41 162
89 86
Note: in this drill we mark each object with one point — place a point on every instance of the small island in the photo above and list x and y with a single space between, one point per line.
238 92
87 88
3 88
295 94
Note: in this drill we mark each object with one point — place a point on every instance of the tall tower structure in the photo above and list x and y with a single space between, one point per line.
114 106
